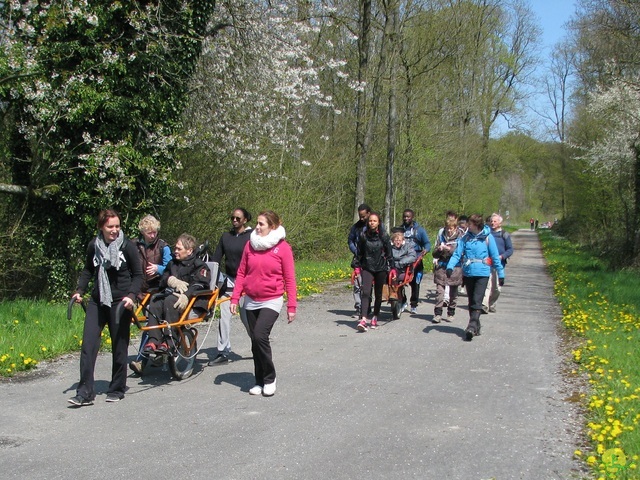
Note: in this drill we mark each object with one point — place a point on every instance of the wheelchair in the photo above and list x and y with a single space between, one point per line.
181 336
394 289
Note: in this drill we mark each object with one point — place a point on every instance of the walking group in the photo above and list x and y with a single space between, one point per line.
259 271
470 253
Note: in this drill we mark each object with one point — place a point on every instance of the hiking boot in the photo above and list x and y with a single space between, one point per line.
468 334
437 318
362 326
136 367
492 308
374 323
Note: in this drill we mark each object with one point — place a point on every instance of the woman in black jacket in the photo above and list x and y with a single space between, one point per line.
373 259
114 264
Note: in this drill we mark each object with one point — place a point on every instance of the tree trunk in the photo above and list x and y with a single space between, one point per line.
361 117
392 125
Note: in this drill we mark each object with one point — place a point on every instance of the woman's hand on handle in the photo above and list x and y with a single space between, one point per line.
128 303
77 297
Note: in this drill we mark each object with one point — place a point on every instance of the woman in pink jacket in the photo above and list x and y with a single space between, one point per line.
265 273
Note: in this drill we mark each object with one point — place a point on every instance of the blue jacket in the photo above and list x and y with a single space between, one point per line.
417 235
504 244
477 253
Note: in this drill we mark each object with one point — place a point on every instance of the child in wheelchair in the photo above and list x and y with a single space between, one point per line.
184 276
404 255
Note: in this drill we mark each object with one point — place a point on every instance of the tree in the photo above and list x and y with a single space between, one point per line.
92 95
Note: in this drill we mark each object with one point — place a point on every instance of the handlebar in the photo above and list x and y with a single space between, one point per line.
70 307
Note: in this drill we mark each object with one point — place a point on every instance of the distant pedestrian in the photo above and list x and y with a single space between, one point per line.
374 258
265 273
536 225
505 249
356 231
415 233
446 243
477 251
531 223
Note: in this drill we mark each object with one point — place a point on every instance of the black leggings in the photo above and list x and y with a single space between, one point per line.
368 279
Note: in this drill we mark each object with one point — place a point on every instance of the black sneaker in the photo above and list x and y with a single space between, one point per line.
80 401
468 334
221 359
112 398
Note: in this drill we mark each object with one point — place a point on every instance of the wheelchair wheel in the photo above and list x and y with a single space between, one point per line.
396 309
181 364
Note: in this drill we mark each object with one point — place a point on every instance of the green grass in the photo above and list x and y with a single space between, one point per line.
601 308
33 330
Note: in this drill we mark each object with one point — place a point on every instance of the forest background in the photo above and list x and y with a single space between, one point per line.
188 109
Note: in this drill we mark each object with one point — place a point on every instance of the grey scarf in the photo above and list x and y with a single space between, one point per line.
107 256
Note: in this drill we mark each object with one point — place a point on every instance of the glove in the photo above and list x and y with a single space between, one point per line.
501 282
393 273
182 302
179 286
449 272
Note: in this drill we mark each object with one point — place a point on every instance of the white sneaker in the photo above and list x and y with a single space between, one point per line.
414 310
269 389
257 390
405 307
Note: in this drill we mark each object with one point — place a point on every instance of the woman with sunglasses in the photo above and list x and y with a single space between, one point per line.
230 247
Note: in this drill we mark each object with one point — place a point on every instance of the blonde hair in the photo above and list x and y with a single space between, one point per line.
149 224
397 235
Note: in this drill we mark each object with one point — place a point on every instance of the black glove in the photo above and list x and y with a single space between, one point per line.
501 282
449 272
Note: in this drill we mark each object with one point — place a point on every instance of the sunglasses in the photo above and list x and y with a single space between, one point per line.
235 218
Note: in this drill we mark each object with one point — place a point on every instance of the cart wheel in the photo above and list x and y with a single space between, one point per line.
181 365
396 309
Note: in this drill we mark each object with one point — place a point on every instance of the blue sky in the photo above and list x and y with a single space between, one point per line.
552 14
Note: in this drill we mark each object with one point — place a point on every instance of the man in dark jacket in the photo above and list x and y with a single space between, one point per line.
357 229
415 233
186 274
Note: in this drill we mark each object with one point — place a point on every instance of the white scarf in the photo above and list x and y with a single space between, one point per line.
270 240
107 256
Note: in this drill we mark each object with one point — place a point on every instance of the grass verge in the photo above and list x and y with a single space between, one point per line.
33 330
601 309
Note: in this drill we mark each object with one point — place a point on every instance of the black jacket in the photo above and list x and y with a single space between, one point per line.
231 246
124 282
374 251
191 270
